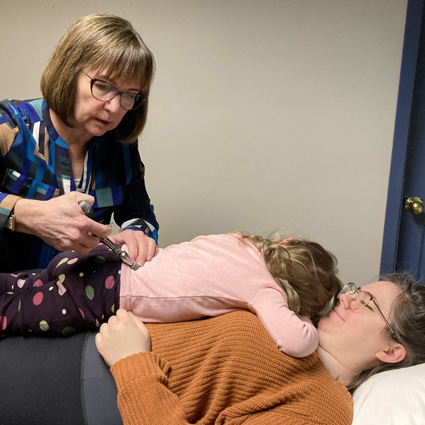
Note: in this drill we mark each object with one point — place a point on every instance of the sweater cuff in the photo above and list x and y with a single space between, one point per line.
138 366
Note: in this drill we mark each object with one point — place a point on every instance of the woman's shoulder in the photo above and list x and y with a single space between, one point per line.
16 116
29 110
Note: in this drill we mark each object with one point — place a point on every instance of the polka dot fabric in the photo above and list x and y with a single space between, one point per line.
74 294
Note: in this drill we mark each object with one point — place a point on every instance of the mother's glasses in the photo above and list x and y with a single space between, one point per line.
103 91
359 298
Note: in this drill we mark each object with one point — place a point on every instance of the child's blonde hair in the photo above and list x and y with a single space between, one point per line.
303 269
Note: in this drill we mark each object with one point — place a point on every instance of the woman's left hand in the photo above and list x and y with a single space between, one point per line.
140 247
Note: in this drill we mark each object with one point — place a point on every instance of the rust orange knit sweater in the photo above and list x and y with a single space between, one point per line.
226 370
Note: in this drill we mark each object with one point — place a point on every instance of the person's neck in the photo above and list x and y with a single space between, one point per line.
338 370
72 136
77 143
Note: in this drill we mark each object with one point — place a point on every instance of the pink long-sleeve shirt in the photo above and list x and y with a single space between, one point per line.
209 276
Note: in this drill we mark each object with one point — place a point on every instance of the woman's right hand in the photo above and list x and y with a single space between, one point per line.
60 222
122 336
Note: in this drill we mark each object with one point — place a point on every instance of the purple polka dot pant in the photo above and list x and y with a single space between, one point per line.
75 293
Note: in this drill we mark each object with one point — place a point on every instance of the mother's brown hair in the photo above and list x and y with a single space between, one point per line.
407 319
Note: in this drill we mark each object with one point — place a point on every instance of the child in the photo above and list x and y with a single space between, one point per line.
286 282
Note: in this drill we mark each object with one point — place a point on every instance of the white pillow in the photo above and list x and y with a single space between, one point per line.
395 397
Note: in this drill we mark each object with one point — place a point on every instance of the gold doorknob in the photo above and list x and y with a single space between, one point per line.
414 205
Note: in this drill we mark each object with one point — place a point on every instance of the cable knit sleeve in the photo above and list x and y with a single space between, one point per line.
144 399
143 396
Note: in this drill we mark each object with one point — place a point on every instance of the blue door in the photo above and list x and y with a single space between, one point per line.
404 232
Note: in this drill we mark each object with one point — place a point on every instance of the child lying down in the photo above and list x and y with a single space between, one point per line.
285 282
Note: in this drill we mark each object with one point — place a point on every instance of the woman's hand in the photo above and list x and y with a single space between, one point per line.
140 247
60 222
122 336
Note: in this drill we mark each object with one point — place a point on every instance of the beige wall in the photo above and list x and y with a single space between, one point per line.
264 114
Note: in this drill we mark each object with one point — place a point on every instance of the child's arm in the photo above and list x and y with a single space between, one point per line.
293 335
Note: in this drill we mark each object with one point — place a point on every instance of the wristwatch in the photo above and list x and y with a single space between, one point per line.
10 222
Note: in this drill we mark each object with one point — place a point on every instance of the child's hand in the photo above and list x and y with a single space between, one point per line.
122 336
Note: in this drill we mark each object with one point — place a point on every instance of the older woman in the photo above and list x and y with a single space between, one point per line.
223 370
78 143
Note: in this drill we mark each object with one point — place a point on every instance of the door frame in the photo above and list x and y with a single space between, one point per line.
399 164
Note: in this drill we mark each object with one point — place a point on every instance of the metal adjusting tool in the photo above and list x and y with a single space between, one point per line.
125 258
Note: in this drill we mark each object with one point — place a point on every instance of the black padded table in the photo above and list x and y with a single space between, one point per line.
52 381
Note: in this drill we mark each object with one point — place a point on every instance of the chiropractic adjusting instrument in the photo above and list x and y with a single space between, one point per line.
125 258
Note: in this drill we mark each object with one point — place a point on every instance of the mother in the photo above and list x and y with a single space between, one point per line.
224 370
78 143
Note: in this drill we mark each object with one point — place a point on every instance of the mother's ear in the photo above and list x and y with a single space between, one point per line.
393 354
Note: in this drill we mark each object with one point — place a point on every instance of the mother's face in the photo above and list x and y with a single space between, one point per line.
356 338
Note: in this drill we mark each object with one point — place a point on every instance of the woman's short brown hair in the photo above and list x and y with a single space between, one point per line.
108 44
